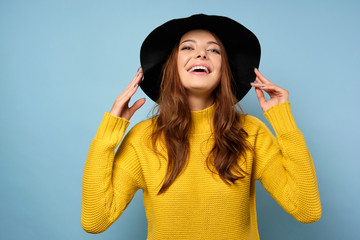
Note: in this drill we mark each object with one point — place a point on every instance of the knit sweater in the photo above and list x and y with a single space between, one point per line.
198 205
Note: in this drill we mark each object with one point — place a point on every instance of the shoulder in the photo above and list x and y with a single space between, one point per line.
141 130
252 124
144 125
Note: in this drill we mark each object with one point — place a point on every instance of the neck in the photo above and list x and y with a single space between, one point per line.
202 120
198 103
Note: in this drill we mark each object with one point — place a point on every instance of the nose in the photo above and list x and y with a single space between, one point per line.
201 54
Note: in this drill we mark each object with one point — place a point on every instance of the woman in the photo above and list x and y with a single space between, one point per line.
198 159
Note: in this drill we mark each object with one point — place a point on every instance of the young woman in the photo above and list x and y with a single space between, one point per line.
197 160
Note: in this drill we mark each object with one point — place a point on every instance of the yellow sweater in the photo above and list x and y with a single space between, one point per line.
198 205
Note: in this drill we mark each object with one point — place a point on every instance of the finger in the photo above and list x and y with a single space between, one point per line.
258 80
134 84
261 98
139 78
276 92
269 86
260 77
258 84
272 89
260 95
120 105
136 79
138 104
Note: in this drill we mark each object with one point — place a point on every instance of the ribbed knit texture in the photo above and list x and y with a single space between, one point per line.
198 205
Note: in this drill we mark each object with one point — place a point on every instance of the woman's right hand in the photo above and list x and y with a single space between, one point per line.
120 107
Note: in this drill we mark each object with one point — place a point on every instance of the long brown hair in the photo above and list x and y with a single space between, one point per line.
173 124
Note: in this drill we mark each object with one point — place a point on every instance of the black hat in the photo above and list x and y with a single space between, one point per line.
241 45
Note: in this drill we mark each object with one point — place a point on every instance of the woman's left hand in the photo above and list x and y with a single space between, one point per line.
276 93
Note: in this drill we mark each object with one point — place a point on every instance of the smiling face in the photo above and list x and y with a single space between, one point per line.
199 62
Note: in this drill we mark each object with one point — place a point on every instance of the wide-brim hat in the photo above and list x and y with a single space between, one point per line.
241 46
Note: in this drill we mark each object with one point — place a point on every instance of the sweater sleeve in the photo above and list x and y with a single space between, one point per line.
109 181
285 167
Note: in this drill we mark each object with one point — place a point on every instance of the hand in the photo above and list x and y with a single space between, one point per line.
277 94
120 107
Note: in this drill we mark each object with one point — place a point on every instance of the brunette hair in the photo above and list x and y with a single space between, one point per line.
173 124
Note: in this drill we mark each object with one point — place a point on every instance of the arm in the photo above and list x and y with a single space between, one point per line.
285 165
109 181
103 201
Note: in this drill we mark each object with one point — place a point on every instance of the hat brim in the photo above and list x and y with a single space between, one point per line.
241 45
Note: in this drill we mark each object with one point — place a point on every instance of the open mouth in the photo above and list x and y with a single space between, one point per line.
199 69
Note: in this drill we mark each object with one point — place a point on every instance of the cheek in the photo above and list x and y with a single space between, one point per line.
179 63
181 60
218 63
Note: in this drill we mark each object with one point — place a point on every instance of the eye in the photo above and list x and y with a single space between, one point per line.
214 51
186 48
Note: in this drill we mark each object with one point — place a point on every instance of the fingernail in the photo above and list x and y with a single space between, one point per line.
139 73
135 85
262 86
138 68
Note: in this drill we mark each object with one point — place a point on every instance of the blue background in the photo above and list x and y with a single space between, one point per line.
62 64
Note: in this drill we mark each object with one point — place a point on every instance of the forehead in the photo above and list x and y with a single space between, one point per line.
199 34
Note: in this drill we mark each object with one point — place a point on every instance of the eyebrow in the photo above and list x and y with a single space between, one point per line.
209 42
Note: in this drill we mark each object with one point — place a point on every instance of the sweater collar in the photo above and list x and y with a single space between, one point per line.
202 120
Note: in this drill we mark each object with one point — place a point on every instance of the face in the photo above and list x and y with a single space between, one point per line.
199 62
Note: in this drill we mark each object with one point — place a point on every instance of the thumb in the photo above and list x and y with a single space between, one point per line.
260 95
138 104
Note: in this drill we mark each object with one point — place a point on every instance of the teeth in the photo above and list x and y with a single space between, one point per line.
199 67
